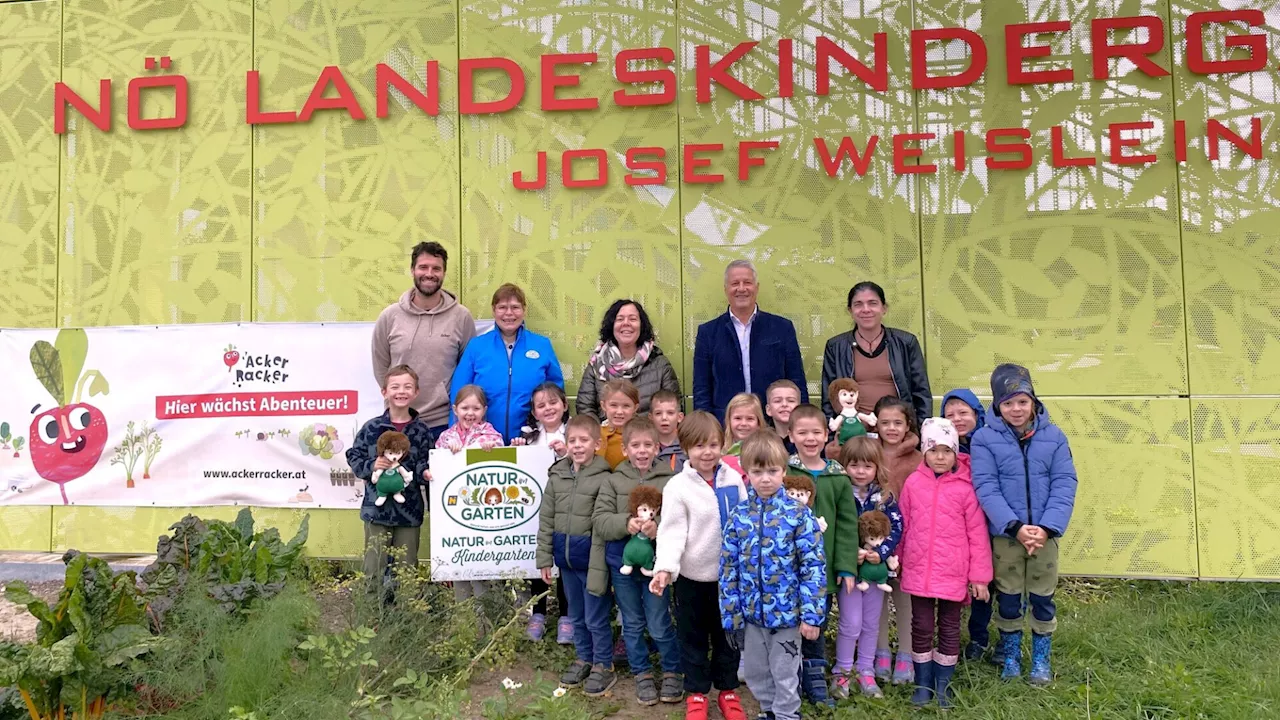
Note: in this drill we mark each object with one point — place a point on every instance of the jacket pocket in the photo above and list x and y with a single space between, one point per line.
578 551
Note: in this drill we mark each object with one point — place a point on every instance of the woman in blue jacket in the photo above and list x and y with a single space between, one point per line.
508 362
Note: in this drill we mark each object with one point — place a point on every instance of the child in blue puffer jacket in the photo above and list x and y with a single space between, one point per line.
773 579
1026 482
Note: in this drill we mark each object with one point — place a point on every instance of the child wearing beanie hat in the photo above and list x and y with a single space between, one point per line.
1026 481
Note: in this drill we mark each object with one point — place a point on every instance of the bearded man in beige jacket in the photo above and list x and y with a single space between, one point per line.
426 330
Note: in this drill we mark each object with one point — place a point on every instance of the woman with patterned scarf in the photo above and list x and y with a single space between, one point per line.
626 350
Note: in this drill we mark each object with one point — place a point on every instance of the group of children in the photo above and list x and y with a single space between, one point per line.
757 537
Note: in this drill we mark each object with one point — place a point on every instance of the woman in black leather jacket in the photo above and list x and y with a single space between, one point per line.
888 361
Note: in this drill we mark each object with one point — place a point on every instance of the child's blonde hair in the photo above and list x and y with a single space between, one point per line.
475 391
763 449
586 423
739 401
864 449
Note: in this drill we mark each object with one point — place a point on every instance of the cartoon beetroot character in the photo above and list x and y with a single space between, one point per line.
230 357
68 439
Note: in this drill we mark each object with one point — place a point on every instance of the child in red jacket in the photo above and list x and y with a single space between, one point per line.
946 557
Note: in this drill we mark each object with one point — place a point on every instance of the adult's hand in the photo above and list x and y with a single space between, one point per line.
382 463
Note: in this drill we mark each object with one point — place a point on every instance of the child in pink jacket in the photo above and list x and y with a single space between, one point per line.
946 556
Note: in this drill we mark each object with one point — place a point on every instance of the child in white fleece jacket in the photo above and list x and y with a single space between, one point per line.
695 505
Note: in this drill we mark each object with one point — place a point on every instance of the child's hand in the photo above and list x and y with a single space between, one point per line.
809 632
381 463
546 575
893 562
455 446
660 581
848 583
488 444
426 475
1029 539
862 554
634 525
518 442
873 557
650 529
979 592
557 446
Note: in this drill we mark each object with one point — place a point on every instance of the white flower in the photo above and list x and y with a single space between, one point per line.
559 692
510 684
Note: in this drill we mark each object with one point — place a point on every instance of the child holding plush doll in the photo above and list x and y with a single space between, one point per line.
946 557
1026 481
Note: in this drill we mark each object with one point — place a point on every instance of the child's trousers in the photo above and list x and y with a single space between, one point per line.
923 626
592 637
902 606
466 589
378 539
1018 573
771 665
700 632
859 629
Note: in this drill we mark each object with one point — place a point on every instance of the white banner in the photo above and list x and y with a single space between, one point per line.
484 512
184 415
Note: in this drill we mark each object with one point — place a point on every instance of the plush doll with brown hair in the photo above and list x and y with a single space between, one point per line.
801 489
640 550
850 423
873 528
394 446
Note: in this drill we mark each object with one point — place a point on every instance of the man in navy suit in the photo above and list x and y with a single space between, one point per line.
745 349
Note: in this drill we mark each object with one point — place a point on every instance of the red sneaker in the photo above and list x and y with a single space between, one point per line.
695 707
730 707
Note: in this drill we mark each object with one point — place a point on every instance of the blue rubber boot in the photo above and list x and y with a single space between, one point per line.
942 675
1041 673
814 682
924 683
1011 649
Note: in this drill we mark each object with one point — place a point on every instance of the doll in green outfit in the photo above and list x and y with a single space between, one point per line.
849 423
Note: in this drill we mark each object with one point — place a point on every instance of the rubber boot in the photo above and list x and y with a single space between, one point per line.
942 675
814 682
1011 649
1041 673
924 684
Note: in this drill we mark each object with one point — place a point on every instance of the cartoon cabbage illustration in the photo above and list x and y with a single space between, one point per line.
320 439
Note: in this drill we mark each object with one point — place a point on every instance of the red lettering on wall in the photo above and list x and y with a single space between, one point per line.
1119 143
902 153
1137 53
385 78
635 164
746 161
551 81
786 68
134 103
346 99
253 114
539 182
1022 149
920 77
1016 53
692 162
1257 44
957 150
877 79
602 168
1218 132
467 103
705 72
63 96
846 149
1060 159
1180 140
665 77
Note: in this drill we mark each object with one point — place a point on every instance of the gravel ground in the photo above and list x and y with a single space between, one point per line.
16 624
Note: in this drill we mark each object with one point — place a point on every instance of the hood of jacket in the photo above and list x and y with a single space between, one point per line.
966 396
447 301
831 468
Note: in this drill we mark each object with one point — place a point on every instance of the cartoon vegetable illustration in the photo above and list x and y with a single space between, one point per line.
150 450
18 442
8 442
68 439
4 435
128 451
230 357
320 439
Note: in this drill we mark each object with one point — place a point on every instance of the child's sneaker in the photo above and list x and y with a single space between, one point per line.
903 673
576 673
646 689
600 681
564 631
867 684
839 684
883 665
537 626
695 707
672 688
730 706
974 651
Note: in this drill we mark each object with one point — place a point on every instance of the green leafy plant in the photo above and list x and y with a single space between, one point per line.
343 652
238 565
83 643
